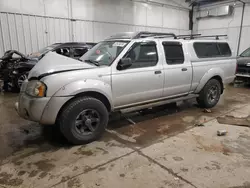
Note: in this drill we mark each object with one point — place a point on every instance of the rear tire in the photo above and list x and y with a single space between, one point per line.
83 120
210 94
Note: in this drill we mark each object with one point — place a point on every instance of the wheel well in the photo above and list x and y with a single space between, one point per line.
221 83
94 94
98 96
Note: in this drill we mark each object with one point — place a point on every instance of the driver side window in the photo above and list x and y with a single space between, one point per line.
143 54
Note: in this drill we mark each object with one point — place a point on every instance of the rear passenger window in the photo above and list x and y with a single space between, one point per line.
206 50
224 49
143 55
173 53
211 49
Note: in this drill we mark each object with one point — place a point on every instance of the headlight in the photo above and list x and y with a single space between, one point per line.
36 88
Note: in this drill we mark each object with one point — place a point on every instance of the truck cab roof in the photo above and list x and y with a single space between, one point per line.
128 36
198 47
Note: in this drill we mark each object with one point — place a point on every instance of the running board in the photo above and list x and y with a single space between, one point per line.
158 103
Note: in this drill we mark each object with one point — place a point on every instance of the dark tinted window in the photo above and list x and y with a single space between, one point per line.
224 49
173 53
78 52
204 50
63 51
212 49
143 55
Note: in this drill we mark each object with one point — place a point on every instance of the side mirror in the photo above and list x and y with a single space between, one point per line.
124 63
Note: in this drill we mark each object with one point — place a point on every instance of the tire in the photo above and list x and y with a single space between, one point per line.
210 94
75 121
18 80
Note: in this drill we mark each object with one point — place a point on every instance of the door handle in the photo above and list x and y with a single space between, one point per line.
184 69
157 72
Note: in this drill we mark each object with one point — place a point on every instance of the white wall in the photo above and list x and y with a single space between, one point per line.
229 25
27 25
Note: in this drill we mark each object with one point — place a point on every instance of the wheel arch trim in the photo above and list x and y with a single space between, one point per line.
216 73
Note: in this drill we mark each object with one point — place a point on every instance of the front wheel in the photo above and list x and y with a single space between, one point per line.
210 94
83 120
18 81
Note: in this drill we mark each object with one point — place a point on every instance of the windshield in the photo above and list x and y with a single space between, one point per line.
246 53
104 53
43 51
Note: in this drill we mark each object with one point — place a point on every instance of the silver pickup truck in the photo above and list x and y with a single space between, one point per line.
126 72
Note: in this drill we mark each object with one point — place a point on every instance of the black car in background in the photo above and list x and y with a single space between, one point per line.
243 66
15 66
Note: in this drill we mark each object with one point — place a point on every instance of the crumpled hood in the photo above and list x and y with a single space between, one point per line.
53 62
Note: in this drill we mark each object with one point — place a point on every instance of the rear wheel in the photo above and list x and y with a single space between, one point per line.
83 120
210 94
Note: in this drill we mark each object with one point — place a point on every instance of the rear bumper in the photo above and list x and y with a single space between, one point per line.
243 75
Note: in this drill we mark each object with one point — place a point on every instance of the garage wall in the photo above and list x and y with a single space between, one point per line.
28 25
229 25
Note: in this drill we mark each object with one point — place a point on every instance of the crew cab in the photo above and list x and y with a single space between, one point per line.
126 72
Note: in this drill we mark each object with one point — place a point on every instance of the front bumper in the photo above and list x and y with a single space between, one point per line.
31 108
43 110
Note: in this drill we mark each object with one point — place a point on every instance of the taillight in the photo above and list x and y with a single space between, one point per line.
236 68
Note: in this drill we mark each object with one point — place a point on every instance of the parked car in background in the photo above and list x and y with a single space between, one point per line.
7 62
70 49
19 65
126 72
8 59
243 66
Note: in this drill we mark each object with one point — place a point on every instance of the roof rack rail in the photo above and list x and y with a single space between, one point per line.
187 36
217 37
145 34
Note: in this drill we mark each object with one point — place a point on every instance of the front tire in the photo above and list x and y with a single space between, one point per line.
210 94
83 120
18 81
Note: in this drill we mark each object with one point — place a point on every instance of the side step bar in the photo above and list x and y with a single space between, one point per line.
158 103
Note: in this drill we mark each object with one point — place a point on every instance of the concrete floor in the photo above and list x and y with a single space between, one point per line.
165 148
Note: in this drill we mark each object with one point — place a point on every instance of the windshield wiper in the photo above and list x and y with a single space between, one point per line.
96 63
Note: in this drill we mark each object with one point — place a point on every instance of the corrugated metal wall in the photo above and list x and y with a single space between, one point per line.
29 25
28 33
229 25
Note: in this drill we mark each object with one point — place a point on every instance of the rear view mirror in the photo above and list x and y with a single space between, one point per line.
124 63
